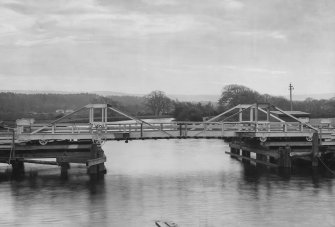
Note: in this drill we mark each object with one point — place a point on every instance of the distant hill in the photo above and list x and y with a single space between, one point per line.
314 96
196 98
180 97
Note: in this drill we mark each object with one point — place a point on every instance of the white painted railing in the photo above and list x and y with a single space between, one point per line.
75 128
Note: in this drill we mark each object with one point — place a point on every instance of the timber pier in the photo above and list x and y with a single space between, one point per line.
253 131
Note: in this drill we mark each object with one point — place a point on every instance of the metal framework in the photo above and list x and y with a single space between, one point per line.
219 126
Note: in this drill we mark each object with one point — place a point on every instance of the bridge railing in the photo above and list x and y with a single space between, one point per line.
76 128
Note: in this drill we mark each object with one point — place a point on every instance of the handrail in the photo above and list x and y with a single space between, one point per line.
189 125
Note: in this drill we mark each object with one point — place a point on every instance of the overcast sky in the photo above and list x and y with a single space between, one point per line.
178 46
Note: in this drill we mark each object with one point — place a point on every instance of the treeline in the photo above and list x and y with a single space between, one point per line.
44 106
234 94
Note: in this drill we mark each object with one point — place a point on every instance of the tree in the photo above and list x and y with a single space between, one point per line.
158 102
234 94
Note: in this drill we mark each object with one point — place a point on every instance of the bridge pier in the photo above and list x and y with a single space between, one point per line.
17 166
284 157
96 165
65 166
245 154
315 150
234 151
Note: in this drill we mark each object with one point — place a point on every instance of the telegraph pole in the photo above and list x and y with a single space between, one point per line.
291 88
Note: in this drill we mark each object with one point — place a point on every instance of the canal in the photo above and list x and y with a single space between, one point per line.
188 182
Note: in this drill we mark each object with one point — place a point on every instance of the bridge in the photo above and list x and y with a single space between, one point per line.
249 129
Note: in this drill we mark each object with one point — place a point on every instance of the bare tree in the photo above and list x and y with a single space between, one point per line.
158 102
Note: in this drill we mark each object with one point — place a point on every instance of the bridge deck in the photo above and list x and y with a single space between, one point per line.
117 131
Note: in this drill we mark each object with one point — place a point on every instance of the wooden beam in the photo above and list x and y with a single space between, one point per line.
255 150
57 120
290 143
254 160
96 161
39 162
54 147
307 125
277 118
136 119
227 111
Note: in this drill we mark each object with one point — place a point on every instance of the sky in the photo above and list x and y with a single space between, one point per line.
177 46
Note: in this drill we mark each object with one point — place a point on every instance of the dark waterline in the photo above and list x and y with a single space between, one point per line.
189 182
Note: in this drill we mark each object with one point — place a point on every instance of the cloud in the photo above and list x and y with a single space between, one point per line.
45 41
232 4
278 35
161 2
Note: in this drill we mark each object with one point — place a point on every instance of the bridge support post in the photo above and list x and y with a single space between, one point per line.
245 154
234 151
17 166
96 165
261 157
284 157
315 150
64 167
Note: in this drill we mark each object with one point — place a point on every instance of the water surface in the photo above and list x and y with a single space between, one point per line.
189 182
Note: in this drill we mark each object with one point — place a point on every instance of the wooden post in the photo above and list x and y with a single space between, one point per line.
285 159
141 130
64 167
233 151
251 114
315 149
106 115
96 152
245 154
261 157
256 112
240 116
17 166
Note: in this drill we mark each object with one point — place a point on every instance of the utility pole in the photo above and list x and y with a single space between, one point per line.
291 88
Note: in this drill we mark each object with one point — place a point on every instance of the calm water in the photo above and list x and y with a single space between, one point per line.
189 182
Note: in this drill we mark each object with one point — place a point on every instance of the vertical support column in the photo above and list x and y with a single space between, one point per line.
268 113
233 151
240 116
263 158
141 130
65 166
315 149
96 152
17 166
102 114
256 112
285 158
91 117
251 114
245 154
106 115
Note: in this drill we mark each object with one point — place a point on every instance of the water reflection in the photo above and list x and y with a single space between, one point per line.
189 182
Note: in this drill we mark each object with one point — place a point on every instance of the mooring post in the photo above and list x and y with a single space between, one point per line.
315 149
